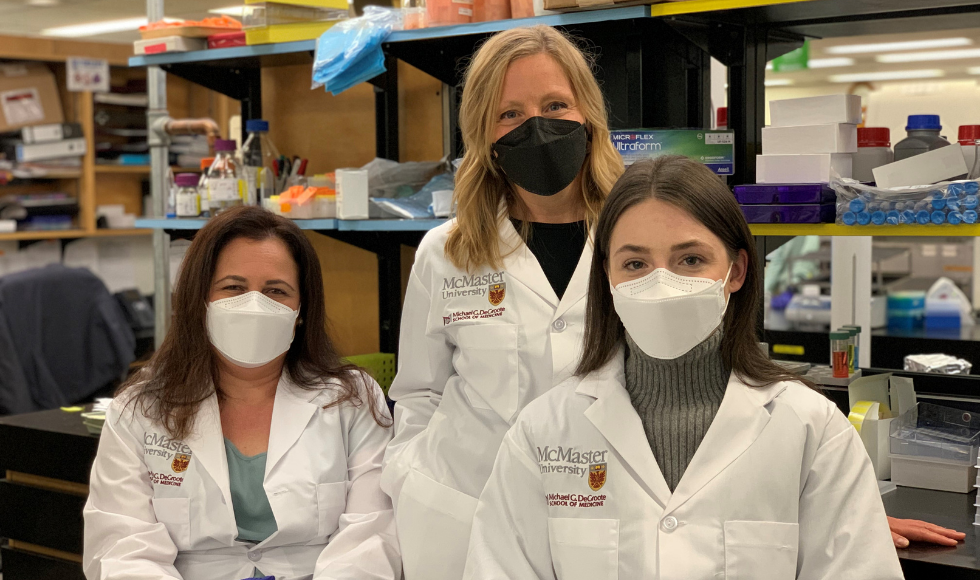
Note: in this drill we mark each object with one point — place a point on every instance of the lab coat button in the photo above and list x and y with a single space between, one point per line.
255 555
669 523
559 325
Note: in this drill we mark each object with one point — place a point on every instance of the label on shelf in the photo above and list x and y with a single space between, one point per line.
224 189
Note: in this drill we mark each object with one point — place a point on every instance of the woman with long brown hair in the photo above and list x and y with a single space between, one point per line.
246 446
495 307
679 450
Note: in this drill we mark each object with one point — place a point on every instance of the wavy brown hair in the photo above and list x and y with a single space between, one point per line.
184 371
692 187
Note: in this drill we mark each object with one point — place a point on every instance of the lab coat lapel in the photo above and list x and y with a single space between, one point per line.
520 263
579 284
614 416
291 413
740 420
208 446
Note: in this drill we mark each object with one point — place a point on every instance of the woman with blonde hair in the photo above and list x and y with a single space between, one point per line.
495 308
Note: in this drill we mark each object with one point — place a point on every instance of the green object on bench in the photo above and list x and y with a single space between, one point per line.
381 366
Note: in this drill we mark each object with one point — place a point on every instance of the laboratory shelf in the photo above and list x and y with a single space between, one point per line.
373 225
389 225
841 230
221 56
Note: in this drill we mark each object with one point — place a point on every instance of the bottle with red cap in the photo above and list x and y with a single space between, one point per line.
722 118
969 139
874 150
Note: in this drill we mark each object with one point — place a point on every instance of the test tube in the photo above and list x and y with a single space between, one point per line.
972 187
956 189
863 218
856 359
938 217
922 217
856 205
938 200
907 217
892 218
878 218
838 354
954 218
849 218
970 201
970 216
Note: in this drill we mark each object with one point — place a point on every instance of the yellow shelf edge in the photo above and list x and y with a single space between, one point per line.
695 6
841 230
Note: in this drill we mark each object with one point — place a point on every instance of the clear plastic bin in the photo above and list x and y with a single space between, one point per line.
272 14
933 431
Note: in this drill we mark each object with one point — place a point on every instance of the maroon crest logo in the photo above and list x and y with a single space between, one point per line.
497 293
597 476
181 462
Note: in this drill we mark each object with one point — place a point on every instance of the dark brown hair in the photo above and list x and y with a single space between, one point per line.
184 370
692 187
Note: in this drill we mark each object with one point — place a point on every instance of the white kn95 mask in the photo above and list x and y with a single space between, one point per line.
251 330
666 314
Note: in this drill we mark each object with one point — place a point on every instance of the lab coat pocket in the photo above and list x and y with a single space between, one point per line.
331 501
488 362
584 549
761 550
433 523
174 514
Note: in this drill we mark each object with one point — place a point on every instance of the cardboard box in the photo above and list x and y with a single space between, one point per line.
831 138
169 44
28 96
816 111
715 149
874 401
930 167
815 168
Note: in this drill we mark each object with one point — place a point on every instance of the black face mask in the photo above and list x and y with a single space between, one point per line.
543 155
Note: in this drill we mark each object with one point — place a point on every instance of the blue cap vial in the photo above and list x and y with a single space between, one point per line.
849 218
864 218
907 217
954 218
856 205
972 187
922 217
970 216
938 217
891 218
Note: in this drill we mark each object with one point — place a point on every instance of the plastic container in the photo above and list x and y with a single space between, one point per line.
852 335
856 330
923 136
325 206
258 156
906 310
935 447
874 150
188 199
969 140
448 12
768 193
202 186
944 203
838 354
265 14
789 214
226 188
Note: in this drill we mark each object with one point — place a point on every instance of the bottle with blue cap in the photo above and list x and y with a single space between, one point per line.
259 156
923 136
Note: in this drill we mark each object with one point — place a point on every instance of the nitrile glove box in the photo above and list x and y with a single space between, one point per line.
715 149
829 138
816 111
813 168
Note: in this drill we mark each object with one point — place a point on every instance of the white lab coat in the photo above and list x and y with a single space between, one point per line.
779 488
146 519
466 367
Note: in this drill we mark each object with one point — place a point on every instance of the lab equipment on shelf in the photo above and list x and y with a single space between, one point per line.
188 199
226 188
969 142
935 447
259 157
906 310
945 203
838 353
874 150
923 135
202 186
943 364
786 203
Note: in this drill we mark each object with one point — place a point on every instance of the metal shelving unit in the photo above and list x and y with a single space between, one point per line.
653 64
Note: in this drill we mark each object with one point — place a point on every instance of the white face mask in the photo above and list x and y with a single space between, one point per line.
666 314
251 330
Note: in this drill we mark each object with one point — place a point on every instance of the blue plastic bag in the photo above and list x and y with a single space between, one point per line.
350 52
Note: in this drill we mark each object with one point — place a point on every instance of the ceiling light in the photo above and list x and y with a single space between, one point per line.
894 46
934 55
43 2
778 82
830 62
229 10
103 27
895 75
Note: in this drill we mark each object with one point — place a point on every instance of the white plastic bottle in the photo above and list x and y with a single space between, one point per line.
188 200
874 150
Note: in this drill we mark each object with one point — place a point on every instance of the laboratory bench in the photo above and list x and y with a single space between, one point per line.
949 510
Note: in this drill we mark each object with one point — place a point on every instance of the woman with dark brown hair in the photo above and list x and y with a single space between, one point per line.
246 447
679 450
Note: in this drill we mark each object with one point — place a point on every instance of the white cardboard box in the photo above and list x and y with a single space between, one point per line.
169 44
816 111
352 194
930 167
829 138
815 168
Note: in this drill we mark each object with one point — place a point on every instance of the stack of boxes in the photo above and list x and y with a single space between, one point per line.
811 141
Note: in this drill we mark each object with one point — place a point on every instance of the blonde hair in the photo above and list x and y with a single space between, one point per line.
480 185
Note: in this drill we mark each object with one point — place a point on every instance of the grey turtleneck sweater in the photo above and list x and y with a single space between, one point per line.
676 400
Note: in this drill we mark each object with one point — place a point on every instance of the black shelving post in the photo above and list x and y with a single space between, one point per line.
386 110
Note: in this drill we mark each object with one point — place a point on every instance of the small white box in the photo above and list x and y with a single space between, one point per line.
816 111
931 473
813 168
930 167
169 44
830 138
352 194
8 226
